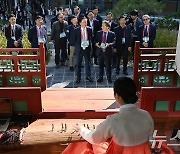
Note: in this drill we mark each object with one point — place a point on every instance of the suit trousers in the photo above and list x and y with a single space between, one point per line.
60 45
79 57
71 57
122 52
105 59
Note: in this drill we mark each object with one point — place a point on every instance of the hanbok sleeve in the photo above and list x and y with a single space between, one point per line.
100 134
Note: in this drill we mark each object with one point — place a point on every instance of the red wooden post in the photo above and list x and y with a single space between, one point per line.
136 62
43 66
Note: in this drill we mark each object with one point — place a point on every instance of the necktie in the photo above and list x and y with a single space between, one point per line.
146 31
40 33
84 35
104 37
13 30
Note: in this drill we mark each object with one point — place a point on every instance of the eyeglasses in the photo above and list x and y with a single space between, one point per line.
145 19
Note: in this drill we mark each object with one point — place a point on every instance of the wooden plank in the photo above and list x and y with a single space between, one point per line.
56 130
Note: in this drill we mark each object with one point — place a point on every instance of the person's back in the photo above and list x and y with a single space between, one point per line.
131 126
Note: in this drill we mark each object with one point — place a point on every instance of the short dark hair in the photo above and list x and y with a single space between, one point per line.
90 11
38 17
126 88
82 19
11 15
72 17
134 12
106 23
109 13
122 16
95 7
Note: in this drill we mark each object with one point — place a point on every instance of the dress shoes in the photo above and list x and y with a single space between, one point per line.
57 66
89 79
100 80
78 81
125 72
109 81
71 68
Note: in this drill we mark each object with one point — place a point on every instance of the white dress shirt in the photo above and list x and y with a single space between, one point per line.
129 127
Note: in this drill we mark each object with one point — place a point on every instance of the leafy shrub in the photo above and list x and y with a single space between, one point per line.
165 38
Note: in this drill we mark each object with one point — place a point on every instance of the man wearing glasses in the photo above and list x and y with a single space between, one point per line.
58 36
147 32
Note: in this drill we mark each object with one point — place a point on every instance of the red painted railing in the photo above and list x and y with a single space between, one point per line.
161 101
153 54
18 72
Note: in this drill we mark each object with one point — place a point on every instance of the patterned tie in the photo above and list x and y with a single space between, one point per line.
104 37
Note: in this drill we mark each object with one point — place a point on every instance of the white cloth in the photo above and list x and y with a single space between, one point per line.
130 127
178 53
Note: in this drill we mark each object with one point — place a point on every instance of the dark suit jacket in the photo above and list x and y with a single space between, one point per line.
55 32
111 39
113 26
33 38
18 36
99 18
70 33
152 34
119 35
78 39
96 26
138 24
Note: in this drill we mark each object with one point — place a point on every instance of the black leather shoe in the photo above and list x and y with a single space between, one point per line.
89 79
100 80
125 72
78 81
57 66
71 68
109 81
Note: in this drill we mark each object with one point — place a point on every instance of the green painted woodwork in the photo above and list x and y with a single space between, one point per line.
162 80
177 106
17 80
1 80
36 80
143 80
161 106
20 106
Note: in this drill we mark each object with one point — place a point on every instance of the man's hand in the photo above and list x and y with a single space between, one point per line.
129 48
16 43
52 41
97 44
114 50
145 44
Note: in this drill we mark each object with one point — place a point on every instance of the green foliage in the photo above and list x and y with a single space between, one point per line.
144 6
25 41
3 40
165 38
167 23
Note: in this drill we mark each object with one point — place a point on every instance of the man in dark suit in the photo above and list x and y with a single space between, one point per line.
147 33
43 12
96 15
95 26
38 34
83 47
71 39
123 43
136 23
13 33
105 40
109 17
58 36
77 13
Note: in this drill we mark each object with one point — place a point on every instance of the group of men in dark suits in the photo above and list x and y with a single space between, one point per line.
89 37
